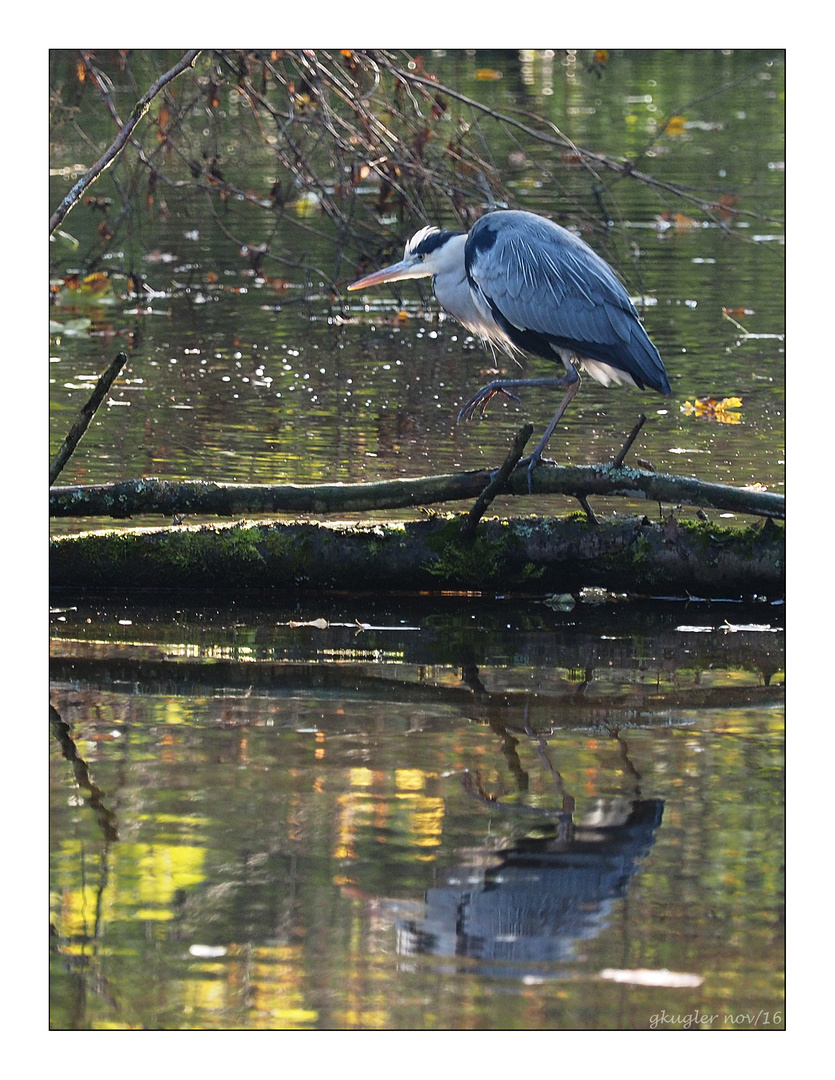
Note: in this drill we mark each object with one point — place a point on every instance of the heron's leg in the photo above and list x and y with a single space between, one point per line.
534 459
549 431
504 386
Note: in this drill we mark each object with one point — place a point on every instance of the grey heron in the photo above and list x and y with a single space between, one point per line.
521 283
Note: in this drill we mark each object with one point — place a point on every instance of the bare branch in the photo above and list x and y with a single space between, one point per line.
497 483
81 424
110 155
151 496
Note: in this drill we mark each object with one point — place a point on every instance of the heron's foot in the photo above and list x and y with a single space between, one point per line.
529 464
532 462
479 401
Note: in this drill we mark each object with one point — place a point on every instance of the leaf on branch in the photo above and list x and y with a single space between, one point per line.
725 204
421 138
163 121
599 60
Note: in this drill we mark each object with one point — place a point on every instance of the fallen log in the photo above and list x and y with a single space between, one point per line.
151 496
522 555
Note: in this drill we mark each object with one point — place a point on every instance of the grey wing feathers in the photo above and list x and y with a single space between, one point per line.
545 281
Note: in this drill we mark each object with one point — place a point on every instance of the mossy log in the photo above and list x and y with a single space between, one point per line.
522 555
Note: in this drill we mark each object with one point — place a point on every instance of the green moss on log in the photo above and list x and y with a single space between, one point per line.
516 554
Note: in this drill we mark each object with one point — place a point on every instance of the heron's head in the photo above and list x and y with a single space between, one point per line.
426 255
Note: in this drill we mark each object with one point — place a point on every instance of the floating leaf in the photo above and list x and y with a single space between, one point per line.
92 289
728 313
677 220
709 408
95 284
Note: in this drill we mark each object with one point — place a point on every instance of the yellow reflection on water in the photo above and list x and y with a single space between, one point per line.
142 881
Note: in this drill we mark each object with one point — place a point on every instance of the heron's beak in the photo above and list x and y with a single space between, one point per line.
407 268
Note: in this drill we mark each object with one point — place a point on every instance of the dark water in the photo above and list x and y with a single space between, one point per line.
437 812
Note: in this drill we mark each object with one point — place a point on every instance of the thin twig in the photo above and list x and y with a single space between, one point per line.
588 157
497 483
109 156
84 417
633 435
